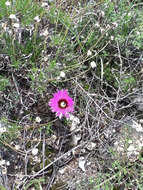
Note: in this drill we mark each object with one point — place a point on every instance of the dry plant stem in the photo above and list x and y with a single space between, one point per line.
15 83
102 71
104 182
100 38
77 65
119 89
11 147
26 162
48 187
120 57
77 37
100 108
40 125
43 151
5 180
30 177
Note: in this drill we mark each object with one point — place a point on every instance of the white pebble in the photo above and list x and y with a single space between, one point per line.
38 119
89 53
2 162
37 19
16 25
34 151
93 64
81 163
2 129
8 163
7 3
62 74
17 147
12 16
131 148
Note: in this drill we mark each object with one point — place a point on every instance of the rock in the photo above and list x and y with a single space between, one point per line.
138 101
130 140
81 163
91 146
75 139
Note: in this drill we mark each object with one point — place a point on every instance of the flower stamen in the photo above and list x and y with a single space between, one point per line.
63 104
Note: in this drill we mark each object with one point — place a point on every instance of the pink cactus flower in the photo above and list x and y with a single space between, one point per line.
61 103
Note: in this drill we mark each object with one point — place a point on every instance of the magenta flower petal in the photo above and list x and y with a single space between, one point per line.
61 103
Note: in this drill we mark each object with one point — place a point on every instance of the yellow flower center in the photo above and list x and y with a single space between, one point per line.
63 103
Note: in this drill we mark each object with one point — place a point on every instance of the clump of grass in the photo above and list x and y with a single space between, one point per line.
4 82
119 174
10 130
